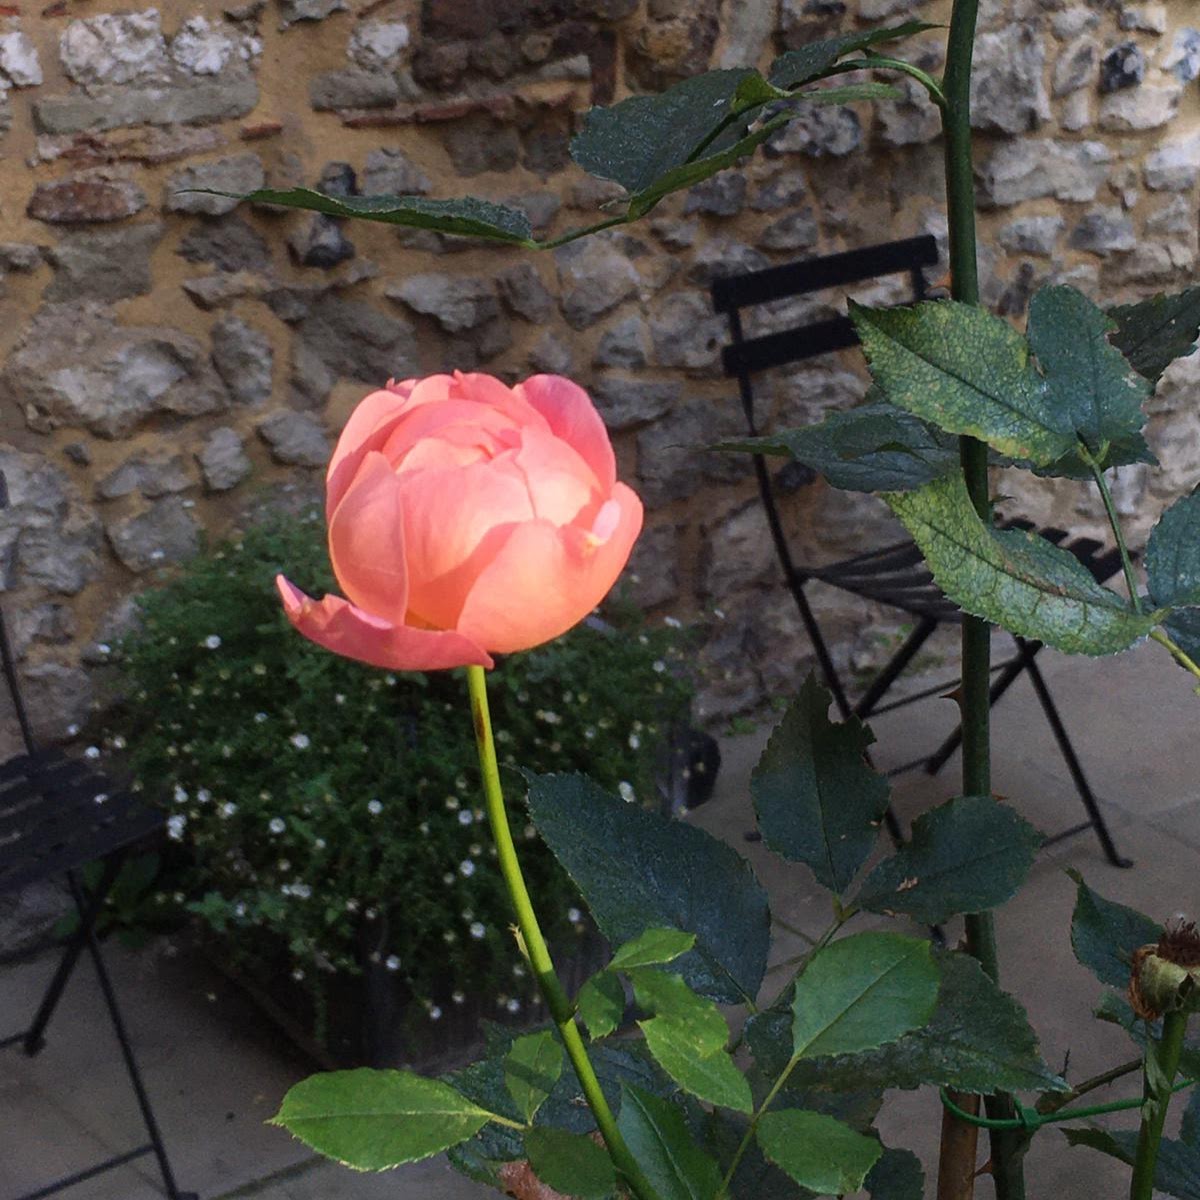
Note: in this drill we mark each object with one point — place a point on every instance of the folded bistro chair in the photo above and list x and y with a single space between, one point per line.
894 575
57 815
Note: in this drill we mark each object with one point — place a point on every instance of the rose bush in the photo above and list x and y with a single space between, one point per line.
467 518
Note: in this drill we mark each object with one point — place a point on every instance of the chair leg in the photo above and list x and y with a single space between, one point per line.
1097 821
131 1067
34 1038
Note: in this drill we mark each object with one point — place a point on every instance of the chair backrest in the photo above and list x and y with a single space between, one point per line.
8 661
744 357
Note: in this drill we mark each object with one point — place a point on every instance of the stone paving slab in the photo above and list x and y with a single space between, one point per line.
217 1070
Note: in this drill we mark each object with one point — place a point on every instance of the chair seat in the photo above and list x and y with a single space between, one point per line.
896 575
58 814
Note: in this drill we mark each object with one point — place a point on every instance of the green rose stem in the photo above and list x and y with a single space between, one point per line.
561 1009
1157 1096
974 701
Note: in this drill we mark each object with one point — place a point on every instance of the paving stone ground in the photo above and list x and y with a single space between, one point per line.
217 1070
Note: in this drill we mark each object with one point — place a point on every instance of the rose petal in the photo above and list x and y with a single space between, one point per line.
366 541
365 431
448 517
544 579
339 626
561 485
572 416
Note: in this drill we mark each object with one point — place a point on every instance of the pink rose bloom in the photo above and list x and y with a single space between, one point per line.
467 518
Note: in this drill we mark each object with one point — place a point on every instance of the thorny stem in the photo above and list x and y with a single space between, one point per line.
976 634
1159 1083
561 1010
1055 1101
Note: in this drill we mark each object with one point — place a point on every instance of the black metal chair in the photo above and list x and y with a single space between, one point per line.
57 815
894 575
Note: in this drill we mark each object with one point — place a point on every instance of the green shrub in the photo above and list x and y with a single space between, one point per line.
328 806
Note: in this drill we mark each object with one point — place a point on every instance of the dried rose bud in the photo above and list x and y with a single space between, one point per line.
1166 974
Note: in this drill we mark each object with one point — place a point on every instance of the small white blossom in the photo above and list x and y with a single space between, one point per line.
351 905
457 997
92 752
449 937
179 795
626 790
318 843
203 796
212 642
339 698
260 717
302 890
175 827
72 730
448 878
514 1005
228 808
635 742
435 1013
374 807
659 665
451 803
298 974
574 916
300 741
118 743
467 868
277 825
392 962
477 930
673 622
465 817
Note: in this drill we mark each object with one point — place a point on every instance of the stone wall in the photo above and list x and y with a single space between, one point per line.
167 358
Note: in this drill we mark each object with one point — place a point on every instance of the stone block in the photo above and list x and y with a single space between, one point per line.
84 199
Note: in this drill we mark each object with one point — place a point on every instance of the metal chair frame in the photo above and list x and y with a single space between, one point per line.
894 575
56 816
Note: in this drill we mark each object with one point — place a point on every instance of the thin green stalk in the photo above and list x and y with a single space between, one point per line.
561 1010
879 62
974 701
1114 522
1177 652
1159 1080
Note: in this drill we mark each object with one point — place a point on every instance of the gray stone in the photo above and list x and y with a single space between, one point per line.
880 10
455 302
75 367
28 915
114 106
591 193
1123 67
229 243
1176 216
623 344
1174 166
674 233
201 48
376 44
1149 18
524 292
811 393
240 173
212 291
911 121
295 439
19 60
1147 107
1076 65
1007 92
390 172
1031 235
1183 59
291 11
795 231
243 358
1103 231
311 380
165 533
83 199
110 264
320 242
594 277
20 257
671 461
627 403
819 131
550 354
52 623
738 552
153 475
1150 263
747 27
721 195
64 559
540 207
480 143
356 341
724 256
686 332
223 460
653 571
58 698
1076 112
114 49
784 190
1034 168
352 87
1071 22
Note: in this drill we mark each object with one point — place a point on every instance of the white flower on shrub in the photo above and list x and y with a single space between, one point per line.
514 1005
300 741
228 808
465 817
458 997
392 962
627 792
574 916
374 807
212 642
435 1013
277 825
478 929
176 824
467 868
179 795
